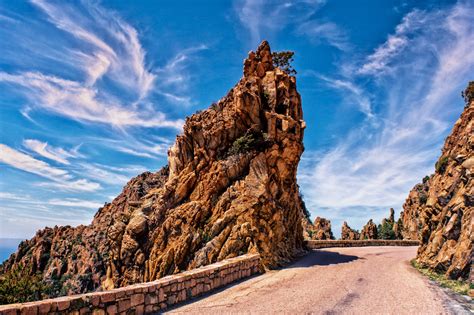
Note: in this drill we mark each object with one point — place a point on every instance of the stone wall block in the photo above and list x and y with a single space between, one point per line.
151 297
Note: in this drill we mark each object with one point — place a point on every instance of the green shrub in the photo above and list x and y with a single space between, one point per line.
425 179
21 285
385 231
440 166
283 60
252 140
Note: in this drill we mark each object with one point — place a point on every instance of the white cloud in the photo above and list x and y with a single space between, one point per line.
56 154
379 61
262 18
100 45
12 196
75 203
134 152
78 102
29 164
66 202
325 32
375 166
156 148
175 77
356 94
99 173
76 185
60 178
126 63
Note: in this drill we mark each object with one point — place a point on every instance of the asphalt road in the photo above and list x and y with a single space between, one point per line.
363 280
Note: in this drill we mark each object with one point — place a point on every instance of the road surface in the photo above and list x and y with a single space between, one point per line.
362 280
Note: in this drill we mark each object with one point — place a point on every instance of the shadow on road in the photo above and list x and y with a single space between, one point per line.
320 257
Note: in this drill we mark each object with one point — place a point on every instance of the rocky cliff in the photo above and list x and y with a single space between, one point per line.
349 234
229 188
440 210
319 230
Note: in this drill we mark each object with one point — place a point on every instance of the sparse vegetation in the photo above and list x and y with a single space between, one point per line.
21 285
385 231
214 106
206 237
425 179
283 60
458 286
251 140
440 166
468 93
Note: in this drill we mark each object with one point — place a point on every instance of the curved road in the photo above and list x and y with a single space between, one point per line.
362 280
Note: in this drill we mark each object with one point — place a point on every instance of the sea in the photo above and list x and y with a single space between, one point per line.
7 247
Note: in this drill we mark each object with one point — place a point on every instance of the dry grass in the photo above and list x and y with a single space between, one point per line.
461 287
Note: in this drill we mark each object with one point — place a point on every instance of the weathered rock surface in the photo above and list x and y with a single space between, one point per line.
412 208
369 231
443 220
229 188
319 230
349 234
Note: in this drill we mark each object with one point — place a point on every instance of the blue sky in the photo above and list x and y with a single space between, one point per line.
93 93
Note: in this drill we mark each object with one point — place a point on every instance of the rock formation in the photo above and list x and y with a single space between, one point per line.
349 234
229 188
412 208
319 230
440 210
397 230
369 231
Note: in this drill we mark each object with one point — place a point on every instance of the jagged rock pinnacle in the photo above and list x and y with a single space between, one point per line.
229 188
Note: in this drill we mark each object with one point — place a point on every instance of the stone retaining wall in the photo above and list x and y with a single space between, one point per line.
312 244
146 297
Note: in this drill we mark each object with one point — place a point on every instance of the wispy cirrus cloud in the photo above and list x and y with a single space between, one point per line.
351 92
175 77
59 178
53 153
66 202
262 18
107 175
122 58
418 84
108 81
78 102
325 32
23 214
75 203
379 61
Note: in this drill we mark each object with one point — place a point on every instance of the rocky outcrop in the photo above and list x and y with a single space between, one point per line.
349 234
229 188
397 230
410 217
443 219
369 231
319 230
